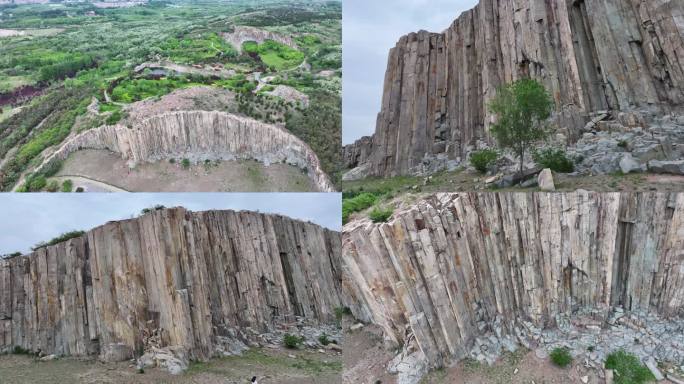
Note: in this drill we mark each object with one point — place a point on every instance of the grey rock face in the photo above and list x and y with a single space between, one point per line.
458 268
593 57
675 167
170 279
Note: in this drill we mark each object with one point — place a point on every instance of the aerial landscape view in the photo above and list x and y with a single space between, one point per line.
170 96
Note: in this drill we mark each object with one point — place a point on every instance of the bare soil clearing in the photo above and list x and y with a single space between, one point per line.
521 367
270 366
163 176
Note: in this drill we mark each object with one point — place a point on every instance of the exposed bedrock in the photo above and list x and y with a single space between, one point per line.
200 135
453 266
591 55
191 276
243 34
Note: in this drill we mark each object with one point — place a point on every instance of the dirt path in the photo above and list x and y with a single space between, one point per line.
270 366
89 185
109 170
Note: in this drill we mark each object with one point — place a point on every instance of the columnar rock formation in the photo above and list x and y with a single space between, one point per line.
591 55
194 275
451 261
200 135
242 34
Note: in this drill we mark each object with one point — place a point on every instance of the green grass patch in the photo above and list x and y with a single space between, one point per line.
560 357
356 204
132 90
204 48
628 369
59 239
274 55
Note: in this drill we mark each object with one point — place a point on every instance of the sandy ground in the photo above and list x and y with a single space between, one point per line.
163 176
270 366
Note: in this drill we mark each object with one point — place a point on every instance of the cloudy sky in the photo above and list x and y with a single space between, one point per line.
369 29
26 219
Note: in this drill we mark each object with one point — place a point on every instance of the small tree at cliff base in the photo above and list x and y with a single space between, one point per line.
522 108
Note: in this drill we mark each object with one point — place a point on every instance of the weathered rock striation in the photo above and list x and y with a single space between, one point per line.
191 278
593 57
454 266
242 34
357 153
200 135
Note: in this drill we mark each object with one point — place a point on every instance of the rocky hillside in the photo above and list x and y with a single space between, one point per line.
199 135
190 281
452 268
595 58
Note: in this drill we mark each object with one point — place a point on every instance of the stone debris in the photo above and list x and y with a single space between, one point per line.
437 85
175 283
545 181
675 167
243 33
558 267
173 358
290 94
199 136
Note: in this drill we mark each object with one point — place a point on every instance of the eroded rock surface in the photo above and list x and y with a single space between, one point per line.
175 284
198 136
592 56
455 270
243 34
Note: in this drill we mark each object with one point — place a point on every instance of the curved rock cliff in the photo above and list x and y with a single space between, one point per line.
453 266
593 56
199 135
194 277
243 34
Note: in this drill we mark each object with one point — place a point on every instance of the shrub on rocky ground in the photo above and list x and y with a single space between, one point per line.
483 159
628 369
561 357
379 214
555 159
67 186
292 341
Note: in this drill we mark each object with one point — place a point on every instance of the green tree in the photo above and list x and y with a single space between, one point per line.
522 108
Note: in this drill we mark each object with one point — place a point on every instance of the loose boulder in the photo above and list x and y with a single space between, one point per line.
545 180
675 167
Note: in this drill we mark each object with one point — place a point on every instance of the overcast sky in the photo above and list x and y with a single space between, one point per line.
27 218
369 29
